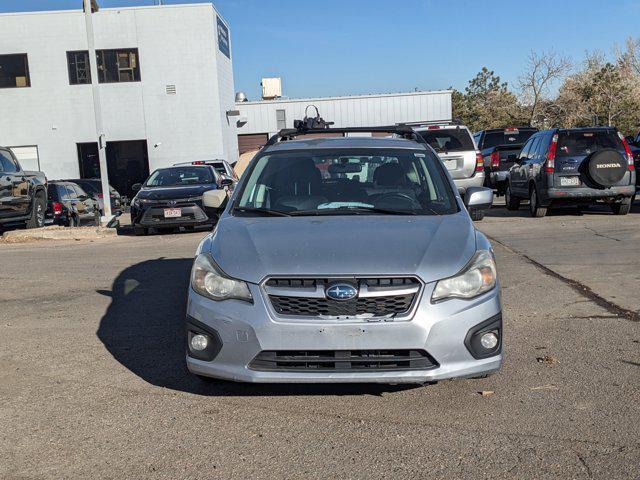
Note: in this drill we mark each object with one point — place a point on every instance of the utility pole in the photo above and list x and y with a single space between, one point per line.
91 6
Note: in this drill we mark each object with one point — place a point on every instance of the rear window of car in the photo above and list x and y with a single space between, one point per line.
580 142
507 137
448 139
52 192
89 187
219 167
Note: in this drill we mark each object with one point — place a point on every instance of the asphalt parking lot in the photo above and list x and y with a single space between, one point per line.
93 382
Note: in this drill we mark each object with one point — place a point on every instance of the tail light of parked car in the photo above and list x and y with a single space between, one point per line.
479 162
628 151
551 155
57 208
495 159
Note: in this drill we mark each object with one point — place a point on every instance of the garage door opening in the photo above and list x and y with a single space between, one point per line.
127 163
255 141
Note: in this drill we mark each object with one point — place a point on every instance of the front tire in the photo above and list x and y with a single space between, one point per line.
536 210
477 216
623 207
512 203
36 220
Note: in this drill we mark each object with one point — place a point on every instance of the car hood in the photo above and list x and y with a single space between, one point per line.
253 248
170 193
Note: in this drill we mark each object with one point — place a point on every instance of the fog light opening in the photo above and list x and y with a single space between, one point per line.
489 340
199 342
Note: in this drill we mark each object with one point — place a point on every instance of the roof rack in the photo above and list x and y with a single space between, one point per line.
450 121
403 131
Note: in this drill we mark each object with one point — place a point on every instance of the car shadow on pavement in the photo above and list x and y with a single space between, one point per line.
144 330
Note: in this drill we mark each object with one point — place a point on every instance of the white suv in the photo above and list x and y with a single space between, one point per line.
456 148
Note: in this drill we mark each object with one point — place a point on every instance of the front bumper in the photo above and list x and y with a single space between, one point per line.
477 180
153 216
441 330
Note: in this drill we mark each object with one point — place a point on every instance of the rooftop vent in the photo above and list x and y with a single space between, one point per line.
171 89
271 88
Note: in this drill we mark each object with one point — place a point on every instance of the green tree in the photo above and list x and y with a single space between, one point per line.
487 103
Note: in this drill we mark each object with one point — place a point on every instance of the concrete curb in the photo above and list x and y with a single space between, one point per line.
58 233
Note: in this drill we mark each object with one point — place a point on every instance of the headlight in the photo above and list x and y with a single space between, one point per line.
210 282
478 277
136 202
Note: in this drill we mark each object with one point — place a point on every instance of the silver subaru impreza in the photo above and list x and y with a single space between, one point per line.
346 259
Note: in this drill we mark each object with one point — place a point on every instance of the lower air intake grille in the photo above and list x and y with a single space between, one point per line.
342 360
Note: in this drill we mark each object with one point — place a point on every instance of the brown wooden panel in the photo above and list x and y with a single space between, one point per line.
254 141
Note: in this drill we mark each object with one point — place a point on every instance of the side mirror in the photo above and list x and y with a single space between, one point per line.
226 182
136 187
214 199
478 198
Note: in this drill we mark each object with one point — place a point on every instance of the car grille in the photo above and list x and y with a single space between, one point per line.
342 360
378 297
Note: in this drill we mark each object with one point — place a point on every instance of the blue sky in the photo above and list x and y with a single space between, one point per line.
345 47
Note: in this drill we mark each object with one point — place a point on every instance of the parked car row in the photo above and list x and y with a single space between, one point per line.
578 166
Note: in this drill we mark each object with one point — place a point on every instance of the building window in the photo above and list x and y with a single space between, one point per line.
118 65
281 119
79 68
14 71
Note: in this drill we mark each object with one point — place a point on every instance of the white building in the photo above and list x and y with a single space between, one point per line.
258 120
166 85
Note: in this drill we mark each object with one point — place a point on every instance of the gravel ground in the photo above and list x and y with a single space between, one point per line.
93 382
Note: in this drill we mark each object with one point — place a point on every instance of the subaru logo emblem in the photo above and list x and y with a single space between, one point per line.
341 291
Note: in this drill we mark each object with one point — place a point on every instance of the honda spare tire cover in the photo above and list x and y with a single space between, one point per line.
606 167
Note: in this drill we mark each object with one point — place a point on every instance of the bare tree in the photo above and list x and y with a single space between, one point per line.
629 58
541 71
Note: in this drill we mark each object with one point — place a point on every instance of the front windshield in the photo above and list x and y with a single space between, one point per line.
180 176
348 181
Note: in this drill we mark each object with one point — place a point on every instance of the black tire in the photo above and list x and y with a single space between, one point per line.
623 207
36 220
74 221
140 231
476 215
512 203
535 209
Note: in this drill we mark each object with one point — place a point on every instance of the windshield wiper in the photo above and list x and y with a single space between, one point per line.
262 211
355 210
